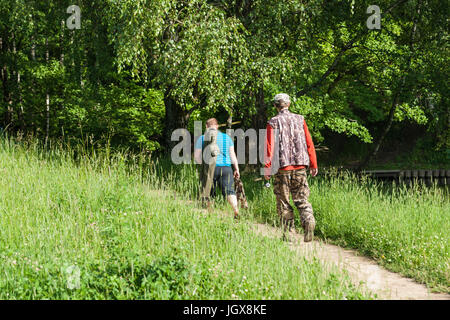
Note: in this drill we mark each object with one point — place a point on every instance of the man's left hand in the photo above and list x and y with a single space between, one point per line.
313 171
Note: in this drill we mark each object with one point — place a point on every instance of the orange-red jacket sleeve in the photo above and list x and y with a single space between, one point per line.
310 146
268 154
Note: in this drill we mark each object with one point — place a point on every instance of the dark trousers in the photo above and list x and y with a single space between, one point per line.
223 177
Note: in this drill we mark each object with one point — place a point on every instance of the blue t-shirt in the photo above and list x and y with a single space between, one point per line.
224 142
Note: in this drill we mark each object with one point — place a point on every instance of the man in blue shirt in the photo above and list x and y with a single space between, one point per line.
226 159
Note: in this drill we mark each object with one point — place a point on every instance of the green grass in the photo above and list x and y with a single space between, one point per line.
406 229
113 220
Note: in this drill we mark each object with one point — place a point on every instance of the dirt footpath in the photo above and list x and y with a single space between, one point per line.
386 284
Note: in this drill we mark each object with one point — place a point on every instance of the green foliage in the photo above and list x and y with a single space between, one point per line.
319 114
196 52
113 219
76 71
414 113
166 278
402 228
220 58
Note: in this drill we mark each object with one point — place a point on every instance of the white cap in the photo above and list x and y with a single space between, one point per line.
282 97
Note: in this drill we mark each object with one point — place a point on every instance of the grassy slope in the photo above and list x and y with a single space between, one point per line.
126 241
404 229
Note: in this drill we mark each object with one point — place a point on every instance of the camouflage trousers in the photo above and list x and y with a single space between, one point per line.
293 182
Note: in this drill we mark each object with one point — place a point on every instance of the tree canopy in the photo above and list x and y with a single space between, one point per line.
138 69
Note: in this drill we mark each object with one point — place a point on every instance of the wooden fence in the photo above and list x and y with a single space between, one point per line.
429 177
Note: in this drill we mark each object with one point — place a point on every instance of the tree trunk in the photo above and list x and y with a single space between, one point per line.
3 75
7 96
33 58
17 89
383 135
61 43
13 75
21 111
175 118
76 62
47 99
33 49
260 120
230 122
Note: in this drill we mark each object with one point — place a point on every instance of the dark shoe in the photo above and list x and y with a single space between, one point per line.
309 231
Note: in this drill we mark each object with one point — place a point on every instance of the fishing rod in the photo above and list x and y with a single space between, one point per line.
267 184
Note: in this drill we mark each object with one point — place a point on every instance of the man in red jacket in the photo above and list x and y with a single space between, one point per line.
295 153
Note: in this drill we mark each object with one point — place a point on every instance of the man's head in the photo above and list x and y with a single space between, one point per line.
212 123
281 101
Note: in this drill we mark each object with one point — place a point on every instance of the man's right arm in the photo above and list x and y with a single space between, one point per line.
268 155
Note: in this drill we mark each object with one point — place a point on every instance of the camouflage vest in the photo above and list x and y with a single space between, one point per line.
292 149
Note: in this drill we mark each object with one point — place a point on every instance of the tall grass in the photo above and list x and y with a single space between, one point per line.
406 229
112 219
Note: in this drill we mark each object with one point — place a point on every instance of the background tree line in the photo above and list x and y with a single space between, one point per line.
138 69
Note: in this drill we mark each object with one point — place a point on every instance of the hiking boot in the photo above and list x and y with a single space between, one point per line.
309 231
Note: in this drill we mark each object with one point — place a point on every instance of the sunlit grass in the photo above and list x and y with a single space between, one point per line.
406 229
115 218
